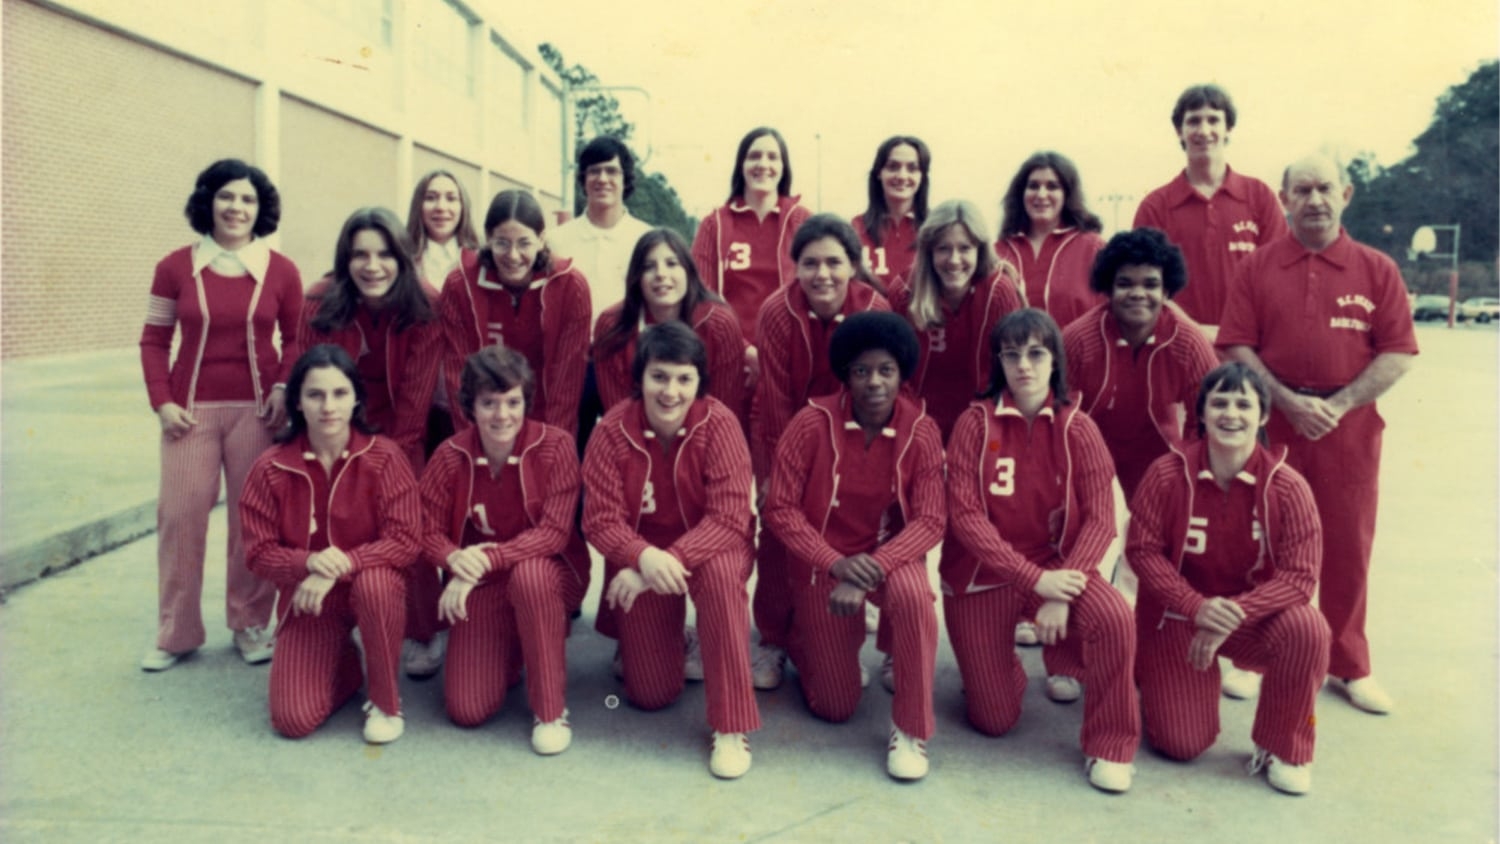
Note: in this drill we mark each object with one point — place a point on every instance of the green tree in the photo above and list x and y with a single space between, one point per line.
1450 178
597 113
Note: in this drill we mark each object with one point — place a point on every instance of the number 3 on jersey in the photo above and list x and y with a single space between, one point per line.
739 256
1005 476
648 499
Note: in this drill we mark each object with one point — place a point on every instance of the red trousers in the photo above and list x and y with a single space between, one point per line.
1181 703
514 616
316 665
227 438
1100 641
773 595
1343 470
652 647
825 648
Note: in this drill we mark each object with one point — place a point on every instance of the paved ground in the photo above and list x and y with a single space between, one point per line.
92 749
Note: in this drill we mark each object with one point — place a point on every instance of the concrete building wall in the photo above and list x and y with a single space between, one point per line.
103 139
111 109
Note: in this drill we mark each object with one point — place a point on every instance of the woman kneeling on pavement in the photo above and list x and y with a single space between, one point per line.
1031 502
667 502
856 496
499 499
331 516
1225 539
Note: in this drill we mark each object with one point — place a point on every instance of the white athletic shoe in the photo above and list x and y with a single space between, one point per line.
156 659
730 757
906 758
1026 635
1366 694
767 667
381 728
692 662
1113 777
1283 776
422 661
255 644
872 618
551 737
1237 683
1061 688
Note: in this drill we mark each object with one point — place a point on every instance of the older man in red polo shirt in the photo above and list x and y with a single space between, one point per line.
1325 321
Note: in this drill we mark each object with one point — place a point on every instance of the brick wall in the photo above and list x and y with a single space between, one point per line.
329 167
103 139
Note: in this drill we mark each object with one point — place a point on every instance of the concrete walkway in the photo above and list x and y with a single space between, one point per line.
92 749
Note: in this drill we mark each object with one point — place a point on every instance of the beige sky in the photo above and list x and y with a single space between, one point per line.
985 84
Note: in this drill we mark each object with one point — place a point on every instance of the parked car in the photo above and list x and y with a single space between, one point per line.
1481 309
1429 306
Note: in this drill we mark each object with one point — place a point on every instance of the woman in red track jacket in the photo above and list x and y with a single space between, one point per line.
1226 540
668 505
1048 232
1029 501
856 497
513 293
793 332
331 516
499 499
375 306
663 284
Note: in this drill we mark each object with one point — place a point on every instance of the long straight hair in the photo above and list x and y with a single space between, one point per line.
522 207
876 212
416 228
926 307
737 178
342 299
634 303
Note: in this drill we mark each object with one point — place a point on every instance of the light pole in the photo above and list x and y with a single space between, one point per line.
1424 242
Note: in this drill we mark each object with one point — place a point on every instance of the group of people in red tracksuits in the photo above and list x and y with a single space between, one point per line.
417 474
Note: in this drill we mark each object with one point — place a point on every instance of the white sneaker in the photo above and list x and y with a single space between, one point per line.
888 673
872 618
156 659
1113 777
692 663
1061 688
1026 634
767 667
1366 694
1283 776
255 644
422 661
730 758
551 737
381 728
906 758
1238 684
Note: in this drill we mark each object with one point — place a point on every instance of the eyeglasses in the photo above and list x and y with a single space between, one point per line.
1035 355
525 244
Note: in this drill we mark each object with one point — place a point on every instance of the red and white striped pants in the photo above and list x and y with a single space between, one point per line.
773 595
652 646
514 616
1101 639
1181 704
316 665
825 648
227 438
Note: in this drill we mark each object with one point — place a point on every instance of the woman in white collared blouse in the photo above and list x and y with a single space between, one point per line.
220 401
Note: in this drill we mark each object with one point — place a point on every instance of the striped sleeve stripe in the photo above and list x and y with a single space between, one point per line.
161 311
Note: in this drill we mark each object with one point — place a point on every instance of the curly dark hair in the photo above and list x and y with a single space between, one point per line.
1144 246
200 203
